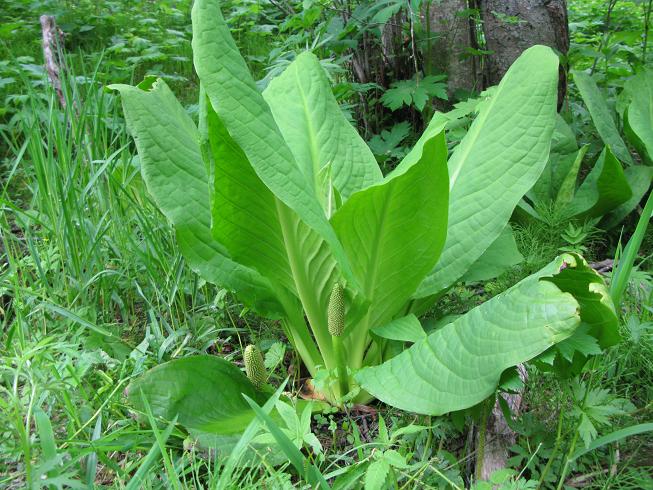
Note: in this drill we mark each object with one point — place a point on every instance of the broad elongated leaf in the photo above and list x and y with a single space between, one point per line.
639 116
498 258
322 141
407 329
601 116
260 231
393 232
175 174
204 392
248 119
564 151
597 311
567 189
250 220
604 189
639 179
245 212
497 162
460 364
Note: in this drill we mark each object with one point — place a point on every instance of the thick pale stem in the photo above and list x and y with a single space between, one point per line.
343 376
305 290
297 332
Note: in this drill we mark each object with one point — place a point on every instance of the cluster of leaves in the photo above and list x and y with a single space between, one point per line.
288 160
93 290
609 37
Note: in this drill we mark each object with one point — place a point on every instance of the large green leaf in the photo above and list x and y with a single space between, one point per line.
393 232
639 116
596 308
460 364
323 142
604 189
601 116
564 151
567 189
639 179
248 119
245 212
406 329
176 176
497 259
204 392
248 219
260 231
497 162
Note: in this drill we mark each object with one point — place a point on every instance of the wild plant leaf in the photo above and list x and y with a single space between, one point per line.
248 119
567 189
414 92
175 174
601 115
305 468
245 212
315 129
407 329
582 342
376 474
604 189
639 179
564 151
596 308
260 231
460 364
393 232
437 125
497 259
638 118
203 391
613 437
497 162
387 144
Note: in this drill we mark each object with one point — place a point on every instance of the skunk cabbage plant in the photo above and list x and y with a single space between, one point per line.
275 197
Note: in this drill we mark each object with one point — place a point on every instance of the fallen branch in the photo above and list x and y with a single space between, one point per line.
52 38
602 266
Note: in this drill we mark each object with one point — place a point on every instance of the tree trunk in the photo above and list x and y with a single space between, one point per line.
449 38
499 437
512 26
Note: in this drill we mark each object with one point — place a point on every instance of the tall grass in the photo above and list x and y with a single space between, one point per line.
93 291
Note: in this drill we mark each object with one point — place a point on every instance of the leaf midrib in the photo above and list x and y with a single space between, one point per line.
373 262
315 156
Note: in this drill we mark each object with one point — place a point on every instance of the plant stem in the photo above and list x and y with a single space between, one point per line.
314 312
572 447
343 377
606 34
554 453
647 20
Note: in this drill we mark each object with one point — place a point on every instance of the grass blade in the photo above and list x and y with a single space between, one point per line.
137 481
307 470
614 437
627 260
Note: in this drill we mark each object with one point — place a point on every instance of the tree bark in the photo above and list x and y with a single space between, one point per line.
512 26
450 37
499 437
